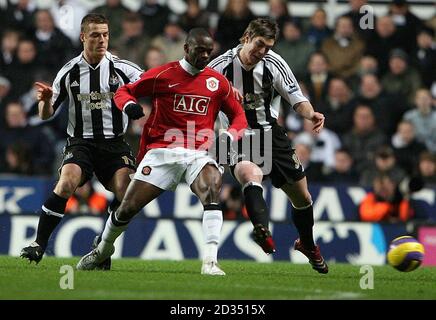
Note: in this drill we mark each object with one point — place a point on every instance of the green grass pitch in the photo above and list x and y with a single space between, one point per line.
181 280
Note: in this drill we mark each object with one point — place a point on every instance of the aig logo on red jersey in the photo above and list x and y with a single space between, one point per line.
212 84
191 104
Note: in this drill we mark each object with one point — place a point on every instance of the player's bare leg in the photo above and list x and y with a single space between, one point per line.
250 177
207 187
302 216
138 194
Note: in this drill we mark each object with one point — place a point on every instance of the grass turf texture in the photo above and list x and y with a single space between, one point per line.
180 280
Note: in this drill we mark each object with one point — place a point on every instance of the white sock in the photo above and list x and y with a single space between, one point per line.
212 223
110 233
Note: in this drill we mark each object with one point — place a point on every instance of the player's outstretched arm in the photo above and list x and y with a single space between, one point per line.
305 109
44 94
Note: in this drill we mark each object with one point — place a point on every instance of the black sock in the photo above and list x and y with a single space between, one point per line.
256 206
303 221
48 221
117 222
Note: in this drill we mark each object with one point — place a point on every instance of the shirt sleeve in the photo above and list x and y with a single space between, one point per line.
59 90
143 87
284 80
235 114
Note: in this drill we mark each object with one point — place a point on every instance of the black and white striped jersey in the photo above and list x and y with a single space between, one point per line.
261 87
88 91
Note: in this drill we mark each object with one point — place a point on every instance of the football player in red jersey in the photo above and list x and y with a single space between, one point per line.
186 98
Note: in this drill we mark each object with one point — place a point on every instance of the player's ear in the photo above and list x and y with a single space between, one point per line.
186 48
82 37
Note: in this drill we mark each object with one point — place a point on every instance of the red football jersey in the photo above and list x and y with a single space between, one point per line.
184 105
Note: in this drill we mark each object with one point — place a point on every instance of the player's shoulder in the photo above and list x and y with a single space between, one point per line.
210 72
224 59
122 63
67 67
272 57
164 70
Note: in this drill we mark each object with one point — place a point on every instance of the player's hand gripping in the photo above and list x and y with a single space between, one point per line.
134 111
318 122
237 94
43 92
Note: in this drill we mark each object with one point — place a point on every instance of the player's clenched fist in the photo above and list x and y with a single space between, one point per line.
44 92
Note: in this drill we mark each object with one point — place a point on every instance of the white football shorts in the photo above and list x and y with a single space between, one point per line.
166 168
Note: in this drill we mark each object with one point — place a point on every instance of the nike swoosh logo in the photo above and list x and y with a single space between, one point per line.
173 85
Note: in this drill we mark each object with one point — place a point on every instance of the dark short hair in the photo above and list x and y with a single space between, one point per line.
196 33
260 27
93 18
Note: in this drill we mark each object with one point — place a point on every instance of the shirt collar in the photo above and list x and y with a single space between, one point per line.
189 68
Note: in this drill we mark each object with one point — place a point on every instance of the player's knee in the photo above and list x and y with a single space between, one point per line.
65 188
246 171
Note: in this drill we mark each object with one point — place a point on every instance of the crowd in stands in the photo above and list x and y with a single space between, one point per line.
376 87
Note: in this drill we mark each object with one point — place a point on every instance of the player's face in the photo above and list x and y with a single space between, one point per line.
95 41
198 52
255 49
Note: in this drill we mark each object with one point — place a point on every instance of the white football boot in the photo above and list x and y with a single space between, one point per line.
93 259
211 267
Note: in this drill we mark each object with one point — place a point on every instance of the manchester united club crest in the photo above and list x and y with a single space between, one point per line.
212 84
146 170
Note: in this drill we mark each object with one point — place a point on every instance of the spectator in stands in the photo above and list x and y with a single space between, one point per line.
344 49
406 148
317 78
423 118
67 15
343 171
232 203
171 41
314 170
232 23
364 138
359 16
384 163
323 145
34 144
424 57
387 108
17 160
293 48
427 169
155 16
385 202
19 16
86 200
114 11
5 87
367 65
401 79
52 45
9 44
22 71
279 12
318 30
382 42
194 17
132 44
407 24
339 107
154 57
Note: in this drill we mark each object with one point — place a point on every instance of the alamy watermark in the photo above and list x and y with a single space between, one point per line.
66 281
367 280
